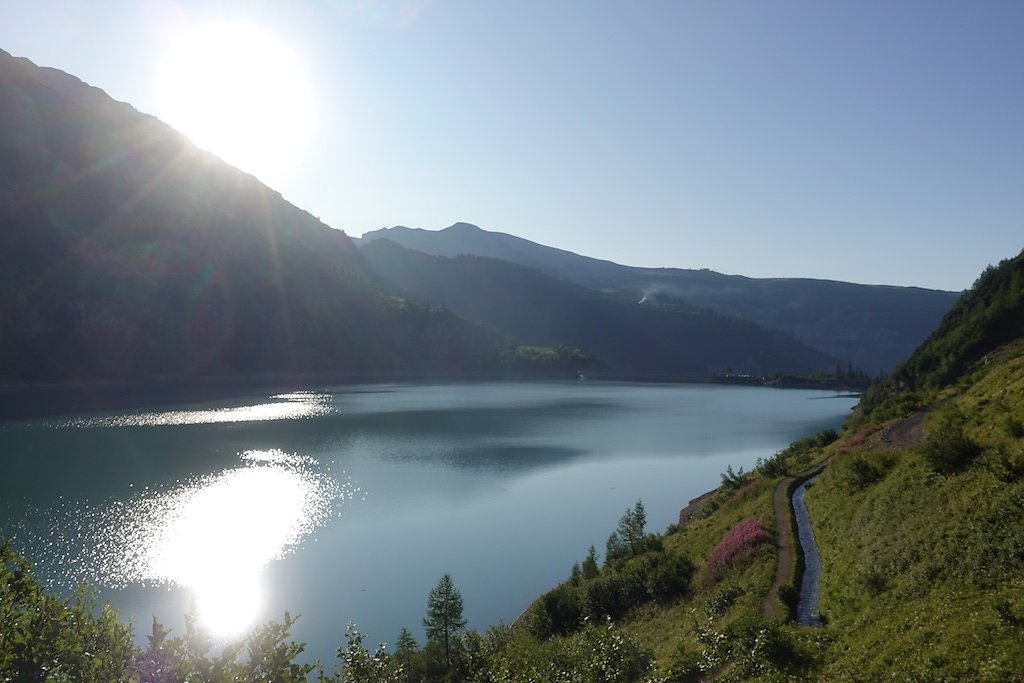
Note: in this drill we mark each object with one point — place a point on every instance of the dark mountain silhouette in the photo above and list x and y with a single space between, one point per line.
129 255
659 338
873 326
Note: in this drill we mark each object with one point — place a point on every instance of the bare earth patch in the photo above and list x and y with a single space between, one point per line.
898 435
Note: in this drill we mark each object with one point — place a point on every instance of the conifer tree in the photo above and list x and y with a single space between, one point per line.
444 620
589 567
627 539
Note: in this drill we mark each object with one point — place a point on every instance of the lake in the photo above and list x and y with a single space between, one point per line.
350 503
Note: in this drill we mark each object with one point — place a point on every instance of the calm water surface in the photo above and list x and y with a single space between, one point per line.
351 503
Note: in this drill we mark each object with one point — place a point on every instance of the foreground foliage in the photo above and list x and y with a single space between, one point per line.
44 638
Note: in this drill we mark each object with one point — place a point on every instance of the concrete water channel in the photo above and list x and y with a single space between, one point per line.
807 613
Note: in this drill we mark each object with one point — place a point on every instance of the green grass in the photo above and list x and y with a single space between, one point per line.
667 629
924 568
923 565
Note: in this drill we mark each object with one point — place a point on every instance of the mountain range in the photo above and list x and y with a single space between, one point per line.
128 255
872 326
662 338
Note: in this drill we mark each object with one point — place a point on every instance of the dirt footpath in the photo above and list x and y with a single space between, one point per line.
771 606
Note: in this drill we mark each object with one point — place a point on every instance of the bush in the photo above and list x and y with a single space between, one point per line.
860 472
1014 426
619 588
750 648
797 455
789 596
719 603
873 581
948 448
45 638
1007 463
684 665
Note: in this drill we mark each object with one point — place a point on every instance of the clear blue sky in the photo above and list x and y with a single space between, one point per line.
875 142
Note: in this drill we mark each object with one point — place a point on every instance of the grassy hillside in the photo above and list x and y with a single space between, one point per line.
926 553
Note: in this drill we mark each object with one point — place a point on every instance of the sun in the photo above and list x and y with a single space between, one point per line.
240 92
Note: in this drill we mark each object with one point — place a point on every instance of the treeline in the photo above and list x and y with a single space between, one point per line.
987 316
638 570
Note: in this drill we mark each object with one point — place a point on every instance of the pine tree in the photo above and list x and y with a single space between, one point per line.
627 540
406 649
444 619
589 568
631 528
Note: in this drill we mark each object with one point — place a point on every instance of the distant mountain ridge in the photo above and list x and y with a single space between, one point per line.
659 339
873 326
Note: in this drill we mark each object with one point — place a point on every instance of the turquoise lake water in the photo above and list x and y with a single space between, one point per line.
350 503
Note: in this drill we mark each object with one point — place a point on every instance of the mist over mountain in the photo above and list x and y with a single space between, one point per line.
873 326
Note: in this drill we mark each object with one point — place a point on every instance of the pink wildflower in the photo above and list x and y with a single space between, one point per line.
738 545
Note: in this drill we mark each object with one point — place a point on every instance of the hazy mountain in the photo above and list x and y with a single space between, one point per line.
873 326
128 254
659 338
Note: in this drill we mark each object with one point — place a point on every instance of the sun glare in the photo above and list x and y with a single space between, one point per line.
238 91
218 537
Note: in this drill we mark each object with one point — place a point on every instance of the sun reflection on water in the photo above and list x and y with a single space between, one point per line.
290 406
216 537
213 535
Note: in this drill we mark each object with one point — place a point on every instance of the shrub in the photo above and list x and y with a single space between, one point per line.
619 588
860 472
739 544
733 480
861 436
1005 613
796 455
719 603
948 448
873 581
1006 463
1014 426
789 596
684 665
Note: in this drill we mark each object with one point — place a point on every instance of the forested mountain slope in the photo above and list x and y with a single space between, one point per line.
128 254
873 326
660 338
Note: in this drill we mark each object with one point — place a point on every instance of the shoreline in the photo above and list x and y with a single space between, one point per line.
30 400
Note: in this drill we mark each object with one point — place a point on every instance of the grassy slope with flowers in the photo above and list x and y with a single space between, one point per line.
919 517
